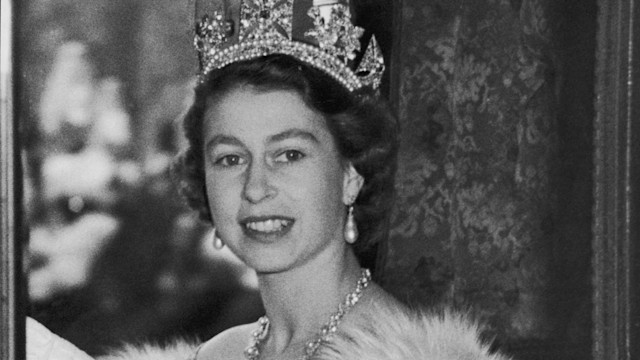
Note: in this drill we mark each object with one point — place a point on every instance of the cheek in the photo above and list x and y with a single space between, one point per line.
321 187
222 197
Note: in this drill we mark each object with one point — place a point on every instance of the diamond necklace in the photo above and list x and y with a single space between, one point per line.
252 352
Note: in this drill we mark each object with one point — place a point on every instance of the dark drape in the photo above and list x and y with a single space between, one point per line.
493 185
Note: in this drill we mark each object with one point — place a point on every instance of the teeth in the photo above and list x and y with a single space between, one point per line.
268 225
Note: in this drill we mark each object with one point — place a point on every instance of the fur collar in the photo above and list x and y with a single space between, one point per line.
383 334
388 333
179 350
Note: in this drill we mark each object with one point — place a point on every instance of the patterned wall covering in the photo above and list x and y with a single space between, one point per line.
474 224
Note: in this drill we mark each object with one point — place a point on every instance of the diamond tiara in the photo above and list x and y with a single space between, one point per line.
329 42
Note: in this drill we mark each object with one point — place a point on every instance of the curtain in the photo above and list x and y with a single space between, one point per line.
476 222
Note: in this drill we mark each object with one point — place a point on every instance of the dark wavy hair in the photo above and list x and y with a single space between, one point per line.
362 125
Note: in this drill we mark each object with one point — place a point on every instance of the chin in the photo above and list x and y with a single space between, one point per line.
265 258
273 261
277 254
267 264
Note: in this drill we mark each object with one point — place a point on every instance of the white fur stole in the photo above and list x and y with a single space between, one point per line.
382 334
397 334
179 350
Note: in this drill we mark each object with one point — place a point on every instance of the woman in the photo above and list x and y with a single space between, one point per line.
291 158
286 153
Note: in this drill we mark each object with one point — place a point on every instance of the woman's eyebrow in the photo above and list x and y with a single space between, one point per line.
223 140
293 133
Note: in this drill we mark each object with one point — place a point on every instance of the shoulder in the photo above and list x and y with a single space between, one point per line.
227 345
391 331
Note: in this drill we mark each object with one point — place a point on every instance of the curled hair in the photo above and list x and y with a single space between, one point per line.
362 125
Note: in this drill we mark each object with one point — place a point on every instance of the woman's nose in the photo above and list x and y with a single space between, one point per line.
257 185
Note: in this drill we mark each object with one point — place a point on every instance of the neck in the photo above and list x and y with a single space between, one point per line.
299 301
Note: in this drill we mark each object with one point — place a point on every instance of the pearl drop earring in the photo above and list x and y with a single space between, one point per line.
217 242
350 228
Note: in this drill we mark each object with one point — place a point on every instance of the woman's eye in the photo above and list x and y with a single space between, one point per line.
230 160
289 156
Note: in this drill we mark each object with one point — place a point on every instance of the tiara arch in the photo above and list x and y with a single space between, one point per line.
319 33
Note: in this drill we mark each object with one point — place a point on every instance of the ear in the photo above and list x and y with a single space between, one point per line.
352 184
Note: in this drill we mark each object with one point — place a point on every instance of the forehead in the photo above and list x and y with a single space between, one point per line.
254 113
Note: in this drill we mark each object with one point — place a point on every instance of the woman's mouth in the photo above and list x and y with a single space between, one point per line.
270 225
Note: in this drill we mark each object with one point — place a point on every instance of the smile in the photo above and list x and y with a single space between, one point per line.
267 225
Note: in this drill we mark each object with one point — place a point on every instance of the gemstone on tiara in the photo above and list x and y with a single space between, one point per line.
259 16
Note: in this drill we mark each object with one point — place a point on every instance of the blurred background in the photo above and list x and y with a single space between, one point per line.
113 253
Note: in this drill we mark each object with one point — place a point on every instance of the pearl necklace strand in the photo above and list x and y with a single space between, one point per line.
252 352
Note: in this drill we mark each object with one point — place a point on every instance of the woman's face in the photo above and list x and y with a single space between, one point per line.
275 180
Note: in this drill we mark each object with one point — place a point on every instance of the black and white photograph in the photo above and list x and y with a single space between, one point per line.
320 180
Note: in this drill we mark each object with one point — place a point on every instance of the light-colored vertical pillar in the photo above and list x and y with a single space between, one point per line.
9 325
